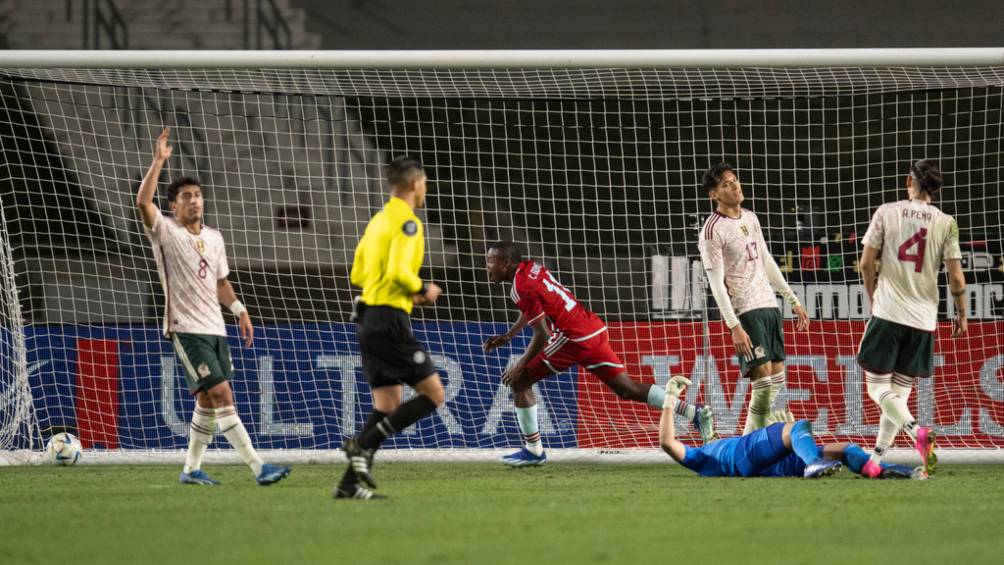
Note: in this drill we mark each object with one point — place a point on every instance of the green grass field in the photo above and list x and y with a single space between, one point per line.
483 513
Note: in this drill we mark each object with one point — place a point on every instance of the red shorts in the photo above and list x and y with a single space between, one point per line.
595 355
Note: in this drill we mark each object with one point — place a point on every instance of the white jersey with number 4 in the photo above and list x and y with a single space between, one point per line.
736 244
915 238
190 266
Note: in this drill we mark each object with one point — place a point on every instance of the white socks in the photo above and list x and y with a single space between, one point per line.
232 429
891 392
776 384
759 408
200 435
527 419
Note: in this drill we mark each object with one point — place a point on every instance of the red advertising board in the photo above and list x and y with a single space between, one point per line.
963 401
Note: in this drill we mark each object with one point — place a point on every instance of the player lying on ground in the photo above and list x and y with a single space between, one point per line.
577 336
784 449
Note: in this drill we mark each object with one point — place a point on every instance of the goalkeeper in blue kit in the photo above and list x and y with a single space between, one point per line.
783 449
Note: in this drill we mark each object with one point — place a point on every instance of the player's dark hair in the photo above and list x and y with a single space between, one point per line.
175 187
508 250
713 176
403 170
928 176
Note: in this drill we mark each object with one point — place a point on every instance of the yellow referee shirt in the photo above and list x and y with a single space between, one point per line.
389 256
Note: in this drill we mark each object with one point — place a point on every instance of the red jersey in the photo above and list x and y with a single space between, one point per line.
537 293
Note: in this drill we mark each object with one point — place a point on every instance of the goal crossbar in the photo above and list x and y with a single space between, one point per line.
506 59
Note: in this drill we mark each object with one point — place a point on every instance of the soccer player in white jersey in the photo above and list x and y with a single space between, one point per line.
912 238
743 278
192 263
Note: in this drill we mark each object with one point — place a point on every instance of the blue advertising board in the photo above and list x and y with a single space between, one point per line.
300 387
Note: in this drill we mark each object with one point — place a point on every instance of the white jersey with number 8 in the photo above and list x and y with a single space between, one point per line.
915 238
190 266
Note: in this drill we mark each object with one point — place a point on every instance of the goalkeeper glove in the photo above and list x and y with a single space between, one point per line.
676 385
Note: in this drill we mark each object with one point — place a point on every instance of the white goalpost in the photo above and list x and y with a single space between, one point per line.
590 160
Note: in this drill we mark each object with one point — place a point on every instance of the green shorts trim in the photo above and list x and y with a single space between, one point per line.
205 359
764 328
889 347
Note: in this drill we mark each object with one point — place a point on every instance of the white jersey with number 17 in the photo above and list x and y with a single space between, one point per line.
736 245
915 238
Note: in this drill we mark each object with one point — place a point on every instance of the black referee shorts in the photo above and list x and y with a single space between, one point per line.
391 354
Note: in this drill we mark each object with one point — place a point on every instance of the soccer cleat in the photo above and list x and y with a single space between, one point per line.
897 472
704 422
196 477
525 458
356 491
919 474
271 474
360 460
925 445
871 470
821 468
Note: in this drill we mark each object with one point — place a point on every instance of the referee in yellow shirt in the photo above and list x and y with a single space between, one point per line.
386 266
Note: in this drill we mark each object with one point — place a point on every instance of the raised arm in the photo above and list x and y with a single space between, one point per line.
667 427
148 189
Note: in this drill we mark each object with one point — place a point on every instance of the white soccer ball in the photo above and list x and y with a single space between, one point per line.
63 449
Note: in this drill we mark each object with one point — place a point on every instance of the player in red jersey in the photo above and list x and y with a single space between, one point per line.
564 333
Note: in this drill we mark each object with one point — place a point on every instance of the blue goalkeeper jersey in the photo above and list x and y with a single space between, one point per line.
759 454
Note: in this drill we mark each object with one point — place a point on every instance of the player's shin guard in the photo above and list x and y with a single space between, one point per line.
776 384
405 415
526 417
759 408
232 429
200 436
892 404
802 442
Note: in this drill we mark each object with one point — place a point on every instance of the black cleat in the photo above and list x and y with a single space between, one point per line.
360 460
356 491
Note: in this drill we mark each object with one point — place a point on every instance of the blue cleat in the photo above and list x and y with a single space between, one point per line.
196 477
271 474
821 468
525 458
704 423
892 471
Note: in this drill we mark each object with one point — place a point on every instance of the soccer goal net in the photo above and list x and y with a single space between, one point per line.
591 162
